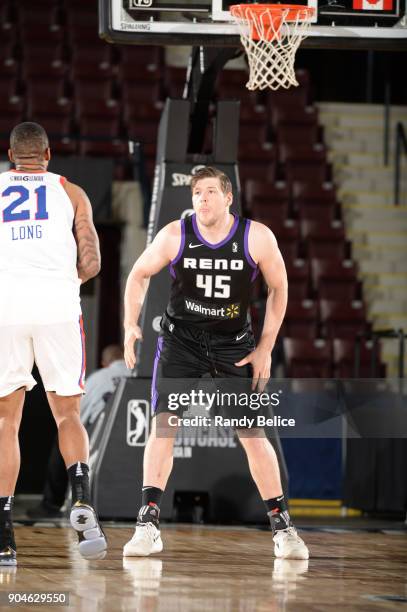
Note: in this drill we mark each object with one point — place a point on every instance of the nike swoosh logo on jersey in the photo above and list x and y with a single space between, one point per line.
240 337
194 246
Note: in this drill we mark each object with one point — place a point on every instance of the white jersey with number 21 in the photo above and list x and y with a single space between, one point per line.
38 253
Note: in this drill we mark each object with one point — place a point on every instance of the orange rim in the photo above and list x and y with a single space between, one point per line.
275 10
271 16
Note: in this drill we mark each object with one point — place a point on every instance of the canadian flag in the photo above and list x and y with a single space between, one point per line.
373 5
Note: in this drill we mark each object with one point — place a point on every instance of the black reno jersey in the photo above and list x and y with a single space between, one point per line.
211 282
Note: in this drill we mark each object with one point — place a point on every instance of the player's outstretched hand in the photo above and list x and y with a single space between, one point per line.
260 361
131 335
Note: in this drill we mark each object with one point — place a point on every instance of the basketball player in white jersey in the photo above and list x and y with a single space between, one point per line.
48 247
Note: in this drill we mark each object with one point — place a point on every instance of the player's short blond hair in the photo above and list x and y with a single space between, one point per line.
210 172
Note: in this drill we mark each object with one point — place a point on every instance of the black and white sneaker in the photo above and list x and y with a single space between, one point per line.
92 540
8 554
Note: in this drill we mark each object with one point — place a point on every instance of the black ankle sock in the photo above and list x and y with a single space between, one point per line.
276 504
278 513
79 478
151 495
6 522
6 508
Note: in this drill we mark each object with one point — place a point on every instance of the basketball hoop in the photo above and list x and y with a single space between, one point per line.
270 35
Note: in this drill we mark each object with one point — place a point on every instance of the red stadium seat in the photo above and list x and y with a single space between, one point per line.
301 318
142 92
301 152
369 365
335 280
141 112
8 86
304 191
87 89
256 162
343 319
314 171
271 213
298 273
294 97
326 212
59 132
50 88
288 238
325 241
38 106
101 137
90 60
288 114
308 359
266 194
297 133
140 62
8 62
144 131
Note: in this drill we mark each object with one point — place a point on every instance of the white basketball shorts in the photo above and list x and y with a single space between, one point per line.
58 350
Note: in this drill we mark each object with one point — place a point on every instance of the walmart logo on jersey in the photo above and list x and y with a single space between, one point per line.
212 311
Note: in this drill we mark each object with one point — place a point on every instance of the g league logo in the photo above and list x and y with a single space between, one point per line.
138 413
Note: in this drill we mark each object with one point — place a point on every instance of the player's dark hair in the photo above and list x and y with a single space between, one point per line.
210 172
28 138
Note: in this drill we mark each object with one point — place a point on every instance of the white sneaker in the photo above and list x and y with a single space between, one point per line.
289 545
145 541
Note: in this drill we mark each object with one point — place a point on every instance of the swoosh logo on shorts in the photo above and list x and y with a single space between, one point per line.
240 337
194 246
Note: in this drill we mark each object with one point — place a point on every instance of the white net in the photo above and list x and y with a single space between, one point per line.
270 35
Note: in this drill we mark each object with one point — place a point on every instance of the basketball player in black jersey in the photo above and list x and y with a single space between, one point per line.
213 257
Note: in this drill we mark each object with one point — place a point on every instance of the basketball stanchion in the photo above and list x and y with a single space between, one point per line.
271 35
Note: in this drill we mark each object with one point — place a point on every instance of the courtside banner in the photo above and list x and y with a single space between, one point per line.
216 408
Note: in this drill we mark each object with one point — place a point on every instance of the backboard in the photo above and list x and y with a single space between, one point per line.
358 24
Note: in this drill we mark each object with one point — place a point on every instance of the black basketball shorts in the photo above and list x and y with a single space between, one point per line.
185 354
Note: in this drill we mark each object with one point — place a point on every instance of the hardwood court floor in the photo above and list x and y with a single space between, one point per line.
218 569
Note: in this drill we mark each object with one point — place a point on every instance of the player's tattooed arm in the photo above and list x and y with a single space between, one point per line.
88 262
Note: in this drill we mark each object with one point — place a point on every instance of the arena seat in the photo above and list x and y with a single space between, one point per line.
298 274
293 97
305 191
37 106
46 88
90 60
325 241
335 280
308 359
315 171
324 212
142 92
300 134
344 359
301 318
8 61
343 319
264 194
59 130
306 115
8 86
